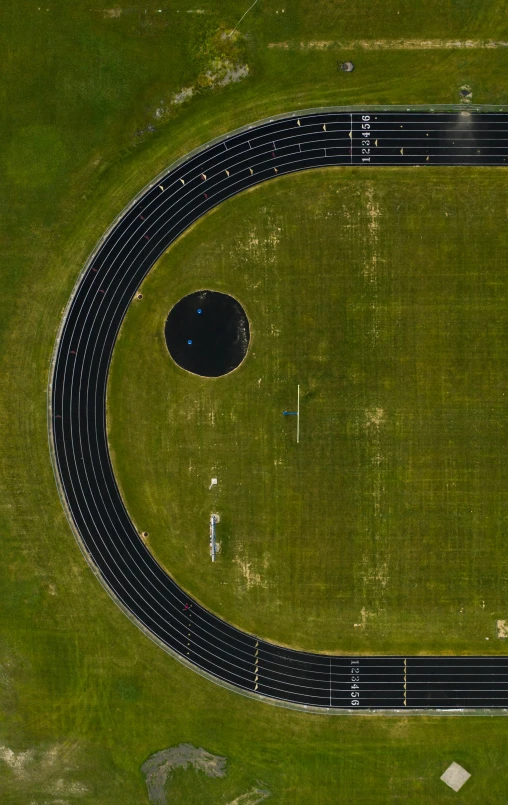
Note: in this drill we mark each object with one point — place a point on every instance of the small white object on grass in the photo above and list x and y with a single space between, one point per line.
214 483
455 776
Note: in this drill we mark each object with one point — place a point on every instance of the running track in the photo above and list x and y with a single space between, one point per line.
78 397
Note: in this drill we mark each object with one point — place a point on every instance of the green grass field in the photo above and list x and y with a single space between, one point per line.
372 290
85 698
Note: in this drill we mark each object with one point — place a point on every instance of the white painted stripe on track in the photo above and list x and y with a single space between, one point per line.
119 303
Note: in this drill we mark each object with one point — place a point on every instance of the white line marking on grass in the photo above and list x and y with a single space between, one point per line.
298 418
241 18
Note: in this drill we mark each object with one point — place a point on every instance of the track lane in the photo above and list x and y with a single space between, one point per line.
78 423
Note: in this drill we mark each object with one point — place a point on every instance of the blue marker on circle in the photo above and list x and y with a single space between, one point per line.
199 310
189 342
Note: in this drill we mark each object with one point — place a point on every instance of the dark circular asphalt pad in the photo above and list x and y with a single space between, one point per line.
207 333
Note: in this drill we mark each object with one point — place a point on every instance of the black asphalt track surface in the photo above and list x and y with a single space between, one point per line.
78 400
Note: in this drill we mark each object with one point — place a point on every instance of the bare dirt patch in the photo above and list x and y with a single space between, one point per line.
159 766
45 768
157 769
365 614
252 579
223 72
502 629
179 97
466 94
393 44
251 797
374 417
373 212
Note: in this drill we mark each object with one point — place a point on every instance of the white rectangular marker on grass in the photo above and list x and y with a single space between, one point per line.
455 776
298 418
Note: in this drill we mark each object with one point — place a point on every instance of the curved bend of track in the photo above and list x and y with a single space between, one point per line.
78 404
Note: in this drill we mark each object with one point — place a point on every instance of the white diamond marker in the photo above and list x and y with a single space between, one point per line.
455 776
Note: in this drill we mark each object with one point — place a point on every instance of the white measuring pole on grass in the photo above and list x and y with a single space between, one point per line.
213 544
298 418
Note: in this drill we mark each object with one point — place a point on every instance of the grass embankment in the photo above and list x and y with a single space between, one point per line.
82 691
383 530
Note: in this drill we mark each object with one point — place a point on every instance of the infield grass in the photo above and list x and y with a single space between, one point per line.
85 698
384 295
